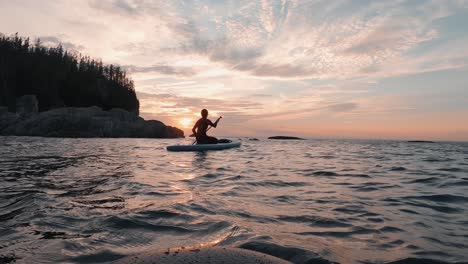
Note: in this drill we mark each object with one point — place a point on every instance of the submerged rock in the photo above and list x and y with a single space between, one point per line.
286 138
84 123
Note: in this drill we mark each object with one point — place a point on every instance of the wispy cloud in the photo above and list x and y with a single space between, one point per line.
54 41
163 69
122 7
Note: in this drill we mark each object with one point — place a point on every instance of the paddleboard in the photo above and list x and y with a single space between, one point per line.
227 144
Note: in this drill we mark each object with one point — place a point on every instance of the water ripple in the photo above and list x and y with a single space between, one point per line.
314 201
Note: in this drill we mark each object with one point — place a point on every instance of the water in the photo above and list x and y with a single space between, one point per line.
95 200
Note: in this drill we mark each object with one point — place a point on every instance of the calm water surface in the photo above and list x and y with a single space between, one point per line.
95 200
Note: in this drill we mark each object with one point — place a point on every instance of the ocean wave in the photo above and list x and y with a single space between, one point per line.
75 200
314 221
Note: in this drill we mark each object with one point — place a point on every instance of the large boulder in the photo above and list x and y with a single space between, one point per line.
3 110
86 123
174 132
7 118
27 104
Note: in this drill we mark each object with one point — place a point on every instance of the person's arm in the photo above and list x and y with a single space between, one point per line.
195 127
215 124
211 123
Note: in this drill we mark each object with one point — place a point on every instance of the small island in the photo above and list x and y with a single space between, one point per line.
420 141
51 92
286 138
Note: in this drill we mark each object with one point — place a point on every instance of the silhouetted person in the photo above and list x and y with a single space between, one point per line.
200 128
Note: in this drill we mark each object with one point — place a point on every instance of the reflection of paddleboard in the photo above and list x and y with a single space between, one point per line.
210 255
226 144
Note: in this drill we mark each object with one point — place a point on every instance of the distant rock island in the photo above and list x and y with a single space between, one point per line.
420 141
50 92
286 138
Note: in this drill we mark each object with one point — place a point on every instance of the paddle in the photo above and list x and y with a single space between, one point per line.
219 118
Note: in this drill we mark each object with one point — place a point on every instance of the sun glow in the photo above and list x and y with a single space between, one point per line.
186 122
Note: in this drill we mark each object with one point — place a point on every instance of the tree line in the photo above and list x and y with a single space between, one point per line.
60 78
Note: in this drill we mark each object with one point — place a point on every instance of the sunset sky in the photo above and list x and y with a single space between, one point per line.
347 69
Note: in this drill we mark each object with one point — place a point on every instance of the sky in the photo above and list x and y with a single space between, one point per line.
317 69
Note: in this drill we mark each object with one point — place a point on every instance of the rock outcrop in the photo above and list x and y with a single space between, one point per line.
285 138
3 110
420 141
27 104
81 122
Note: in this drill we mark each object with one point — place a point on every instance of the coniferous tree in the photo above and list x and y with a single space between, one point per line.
60 78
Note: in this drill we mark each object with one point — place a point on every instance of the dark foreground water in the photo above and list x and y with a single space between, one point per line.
96 200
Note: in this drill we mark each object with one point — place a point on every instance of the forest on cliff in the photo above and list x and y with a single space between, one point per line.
60 78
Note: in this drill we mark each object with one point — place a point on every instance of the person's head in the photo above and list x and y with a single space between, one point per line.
204 113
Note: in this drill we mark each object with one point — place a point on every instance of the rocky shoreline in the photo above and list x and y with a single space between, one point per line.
90 122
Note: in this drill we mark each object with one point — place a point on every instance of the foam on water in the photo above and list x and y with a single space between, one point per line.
346 201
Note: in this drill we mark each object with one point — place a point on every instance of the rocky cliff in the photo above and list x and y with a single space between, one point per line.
80 122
